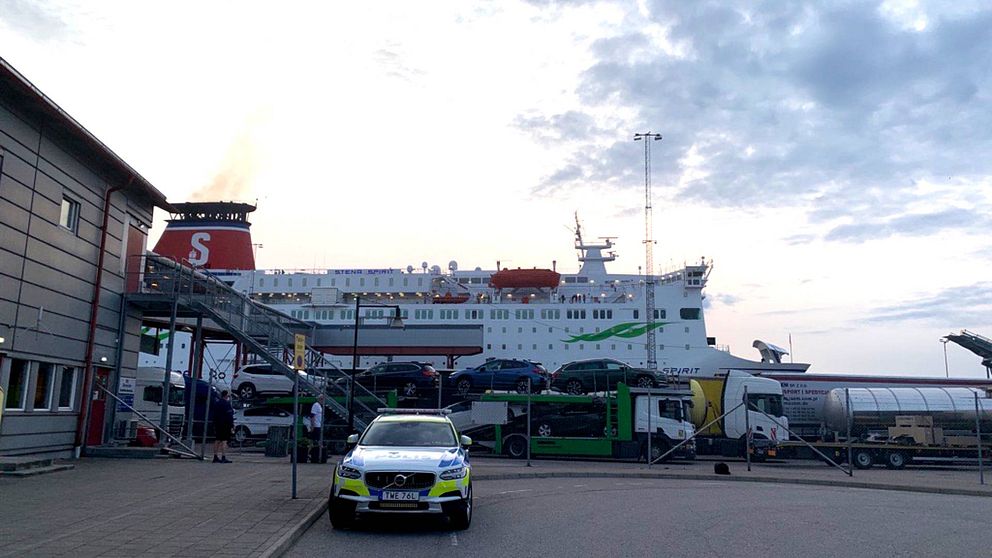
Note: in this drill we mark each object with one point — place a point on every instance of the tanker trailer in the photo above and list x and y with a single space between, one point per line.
896 426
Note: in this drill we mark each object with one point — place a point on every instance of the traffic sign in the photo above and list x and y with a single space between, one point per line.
299 357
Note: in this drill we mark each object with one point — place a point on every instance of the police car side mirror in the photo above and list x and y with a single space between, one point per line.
465 441
352 439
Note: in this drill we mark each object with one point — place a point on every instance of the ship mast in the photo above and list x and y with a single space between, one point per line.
652 346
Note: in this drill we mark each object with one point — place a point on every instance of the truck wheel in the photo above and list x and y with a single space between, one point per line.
410 389
658 448
863 459
544 430
516 446
464 386
459 512
895 460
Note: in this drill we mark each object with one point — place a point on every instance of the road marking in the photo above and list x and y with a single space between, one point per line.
515 491
454 539
579 485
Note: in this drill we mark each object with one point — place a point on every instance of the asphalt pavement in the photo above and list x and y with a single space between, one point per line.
648 517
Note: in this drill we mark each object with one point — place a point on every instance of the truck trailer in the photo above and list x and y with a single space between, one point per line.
804 395
615 425
897 426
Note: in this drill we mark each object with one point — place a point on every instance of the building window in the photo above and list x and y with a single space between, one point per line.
17 385
261 282
69 218
636 314
67 389
504 346
43 387
304 282
489 346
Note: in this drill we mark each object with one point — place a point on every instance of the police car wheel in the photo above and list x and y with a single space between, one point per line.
341 512
460 513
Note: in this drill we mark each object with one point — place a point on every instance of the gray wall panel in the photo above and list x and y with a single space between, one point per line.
40 275
15 166
65 168
14 217
52 422
17 128
17 193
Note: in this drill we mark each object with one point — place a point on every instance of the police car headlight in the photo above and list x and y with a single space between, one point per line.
349 472
452 474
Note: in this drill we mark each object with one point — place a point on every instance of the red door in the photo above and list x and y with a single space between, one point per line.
98 408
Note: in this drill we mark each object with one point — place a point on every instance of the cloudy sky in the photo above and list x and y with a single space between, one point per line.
832 158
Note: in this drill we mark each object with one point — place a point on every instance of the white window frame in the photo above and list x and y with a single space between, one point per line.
69 213
72 392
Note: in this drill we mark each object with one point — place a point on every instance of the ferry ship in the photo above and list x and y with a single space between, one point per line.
539 314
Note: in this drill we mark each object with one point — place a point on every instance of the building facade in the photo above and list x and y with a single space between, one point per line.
72 217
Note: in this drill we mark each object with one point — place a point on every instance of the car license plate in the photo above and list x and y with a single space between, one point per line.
396 495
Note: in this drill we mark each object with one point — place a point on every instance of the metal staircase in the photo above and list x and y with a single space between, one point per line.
263 331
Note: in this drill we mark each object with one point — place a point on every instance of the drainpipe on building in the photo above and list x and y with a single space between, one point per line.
82 425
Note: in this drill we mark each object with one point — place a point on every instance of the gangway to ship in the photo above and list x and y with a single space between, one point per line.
162 287
978 344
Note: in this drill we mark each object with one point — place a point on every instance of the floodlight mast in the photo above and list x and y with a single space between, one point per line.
649 305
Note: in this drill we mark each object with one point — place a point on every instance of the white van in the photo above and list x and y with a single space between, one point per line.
148 397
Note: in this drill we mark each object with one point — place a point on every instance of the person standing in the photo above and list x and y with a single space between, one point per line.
316 418
223 426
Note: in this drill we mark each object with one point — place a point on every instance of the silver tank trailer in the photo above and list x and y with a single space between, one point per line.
876 408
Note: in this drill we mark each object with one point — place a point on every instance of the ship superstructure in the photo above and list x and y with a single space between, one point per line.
542 315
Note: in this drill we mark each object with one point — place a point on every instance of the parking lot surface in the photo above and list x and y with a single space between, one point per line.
647 517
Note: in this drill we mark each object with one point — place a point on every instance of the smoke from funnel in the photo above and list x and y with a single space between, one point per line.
236 177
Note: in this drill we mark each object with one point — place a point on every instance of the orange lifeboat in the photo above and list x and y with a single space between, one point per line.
525 279
448 298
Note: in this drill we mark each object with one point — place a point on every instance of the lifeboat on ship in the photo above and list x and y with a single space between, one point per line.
448 298
525 279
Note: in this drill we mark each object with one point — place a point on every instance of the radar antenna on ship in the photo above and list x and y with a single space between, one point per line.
591 255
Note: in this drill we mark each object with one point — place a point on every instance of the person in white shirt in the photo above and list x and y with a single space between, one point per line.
316 418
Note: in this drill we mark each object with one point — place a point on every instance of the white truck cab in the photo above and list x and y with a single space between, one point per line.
148 396
666 413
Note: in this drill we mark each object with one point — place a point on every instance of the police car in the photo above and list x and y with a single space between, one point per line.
406 462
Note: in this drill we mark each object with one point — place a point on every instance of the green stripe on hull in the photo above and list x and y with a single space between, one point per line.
627 330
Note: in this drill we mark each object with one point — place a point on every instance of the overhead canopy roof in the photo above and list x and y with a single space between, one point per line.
20 92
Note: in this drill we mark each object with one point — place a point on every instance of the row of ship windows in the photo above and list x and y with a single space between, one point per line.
334 282
454 314
581 347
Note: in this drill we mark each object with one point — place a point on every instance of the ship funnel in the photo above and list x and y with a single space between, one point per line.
209 235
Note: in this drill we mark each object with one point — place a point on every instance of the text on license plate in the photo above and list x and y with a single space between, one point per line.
401 496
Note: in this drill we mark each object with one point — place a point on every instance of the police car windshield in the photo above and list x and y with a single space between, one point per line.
413 433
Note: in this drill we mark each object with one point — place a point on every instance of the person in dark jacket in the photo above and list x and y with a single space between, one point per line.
223 426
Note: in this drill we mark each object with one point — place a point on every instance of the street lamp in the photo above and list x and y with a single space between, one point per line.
395 321
944 341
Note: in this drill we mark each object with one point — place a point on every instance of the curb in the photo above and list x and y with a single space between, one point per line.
730 478
288 539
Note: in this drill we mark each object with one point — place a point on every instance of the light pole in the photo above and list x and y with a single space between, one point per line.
395 321
649 293
943 341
